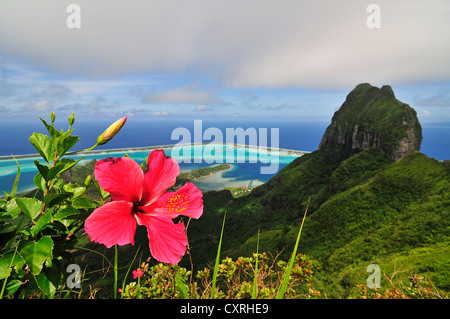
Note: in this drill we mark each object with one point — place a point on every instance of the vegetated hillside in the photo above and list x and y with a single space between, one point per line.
364 207
401 211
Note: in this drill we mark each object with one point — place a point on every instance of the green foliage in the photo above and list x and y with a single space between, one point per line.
161 281
38 232
357 169
235 280
363 210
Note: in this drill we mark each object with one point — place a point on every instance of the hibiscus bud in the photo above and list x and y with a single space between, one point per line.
72 119
111 131
88 181
52 117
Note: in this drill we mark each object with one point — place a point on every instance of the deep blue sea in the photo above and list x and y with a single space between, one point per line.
297 135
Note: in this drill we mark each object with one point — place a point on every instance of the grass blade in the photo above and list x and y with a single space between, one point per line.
181 288
287 274
115 271
255 277
128 271
16 181
216 265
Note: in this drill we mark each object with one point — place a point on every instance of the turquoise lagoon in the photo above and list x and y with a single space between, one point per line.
246 163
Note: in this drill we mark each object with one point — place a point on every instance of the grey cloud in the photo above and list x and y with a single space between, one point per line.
190 94
253 43
57 91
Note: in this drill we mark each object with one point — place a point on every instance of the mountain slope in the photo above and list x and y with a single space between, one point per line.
404 207
374 203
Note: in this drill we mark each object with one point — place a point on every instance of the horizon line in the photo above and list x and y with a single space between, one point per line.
142 148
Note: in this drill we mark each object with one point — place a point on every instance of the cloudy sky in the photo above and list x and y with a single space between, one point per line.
220 59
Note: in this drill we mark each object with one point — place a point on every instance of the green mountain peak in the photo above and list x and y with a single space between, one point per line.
373 117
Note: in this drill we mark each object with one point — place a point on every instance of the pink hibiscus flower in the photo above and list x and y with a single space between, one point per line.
139 198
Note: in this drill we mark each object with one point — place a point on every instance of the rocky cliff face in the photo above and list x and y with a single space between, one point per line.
373 117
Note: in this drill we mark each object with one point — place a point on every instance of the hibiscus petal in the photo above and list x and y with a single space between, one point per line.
122 177
167 240
112 224
161 173
186 201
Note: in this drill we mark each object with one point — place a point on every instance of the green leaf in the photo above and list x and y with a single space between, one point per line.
36 254
69 163
65 212
100 190
75 189
52 199
12 286
181 287
42 221
10 210
51 130
44 145
7 228
43 169
30 206
287 274
8 261
216 265
49 279
83 202
49 173
65 142
39 181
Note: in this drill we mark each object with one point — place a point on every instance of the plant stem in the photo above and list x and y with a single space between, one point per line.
85 150
115 271
255 276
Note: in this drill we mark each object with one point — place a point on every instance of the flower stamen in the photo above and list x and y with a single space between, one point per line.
177 203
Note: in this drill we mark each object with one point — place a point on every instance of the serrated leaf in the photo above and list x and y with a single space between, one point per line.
65 142
48 279
44 145
42 221
30 206
8 261
10 210
102 192
52 199
51 130
65 212
36 254
69 163
83 202
49 173
39 181
12 286
75 189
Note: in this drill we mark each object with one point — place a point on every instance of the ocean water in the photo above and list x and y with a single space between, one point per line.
295 135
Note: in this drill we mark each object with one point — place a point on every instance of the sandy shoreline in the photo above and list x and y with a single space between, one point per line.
217 181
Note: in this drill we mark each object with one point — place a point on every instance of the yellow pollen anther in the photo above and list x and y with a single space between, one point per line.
177 203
